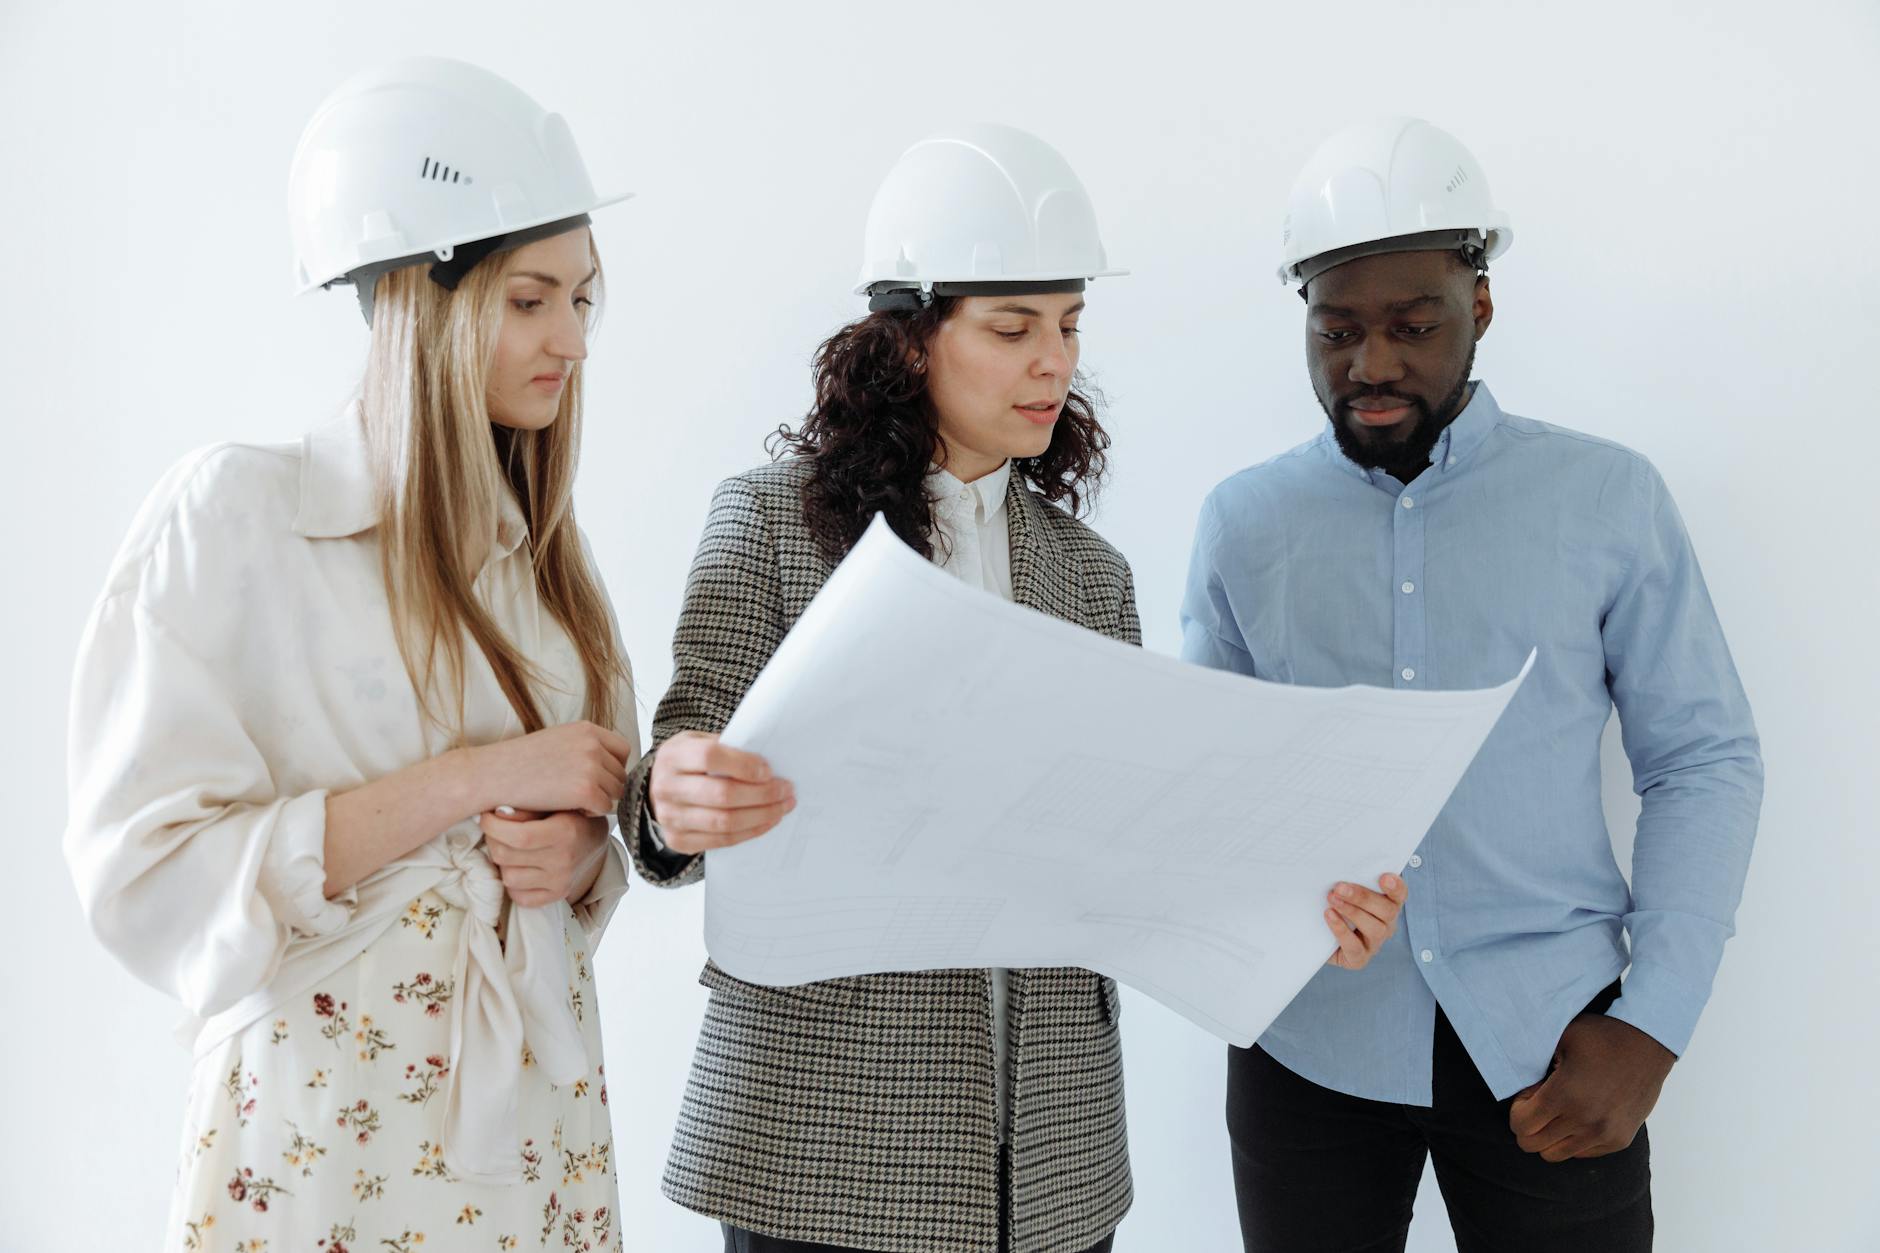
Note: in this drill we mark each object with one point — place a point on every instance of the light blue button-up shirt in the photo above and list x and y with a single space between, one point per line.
1310 569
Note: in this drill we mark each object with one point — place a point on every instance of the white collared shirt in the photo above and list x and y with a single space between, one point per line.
972 537
972 541
239 666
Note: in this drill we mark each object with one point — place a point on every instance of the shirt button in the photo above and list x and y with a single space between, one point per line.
1415 860
1408 674
1408 587
1409 502
1427 956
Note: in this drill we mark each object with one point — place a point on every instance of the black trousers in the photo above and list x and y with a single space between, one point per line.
1317 1171
738 1240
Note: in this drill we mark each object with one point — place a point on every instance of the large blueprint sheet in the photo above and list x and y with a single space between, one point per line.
979 784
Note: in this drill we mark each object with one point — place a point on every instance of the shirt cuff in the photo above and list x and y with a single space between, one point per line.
292 878
1659 1003
603 897
661 864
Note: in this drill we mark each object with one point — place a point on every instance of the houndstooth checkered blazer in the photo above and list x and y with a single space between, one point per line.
860 1112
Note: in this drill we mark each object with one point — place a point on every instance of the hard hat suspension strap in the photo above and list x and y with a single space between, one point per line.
448 270
883 298
1469 242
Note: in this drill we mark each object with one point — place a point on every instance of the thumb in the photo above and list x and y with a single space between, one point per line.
1531 1108
509 813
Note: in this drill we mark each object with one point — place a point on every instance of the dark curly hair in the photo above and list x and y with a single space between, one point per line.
872 434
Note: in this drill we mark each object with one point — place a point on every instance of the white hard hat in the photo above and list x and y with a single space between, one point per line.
1396 184
406 161
984 207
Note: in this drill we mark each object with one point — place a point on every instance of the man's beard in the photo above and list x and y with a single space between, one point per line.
1411 453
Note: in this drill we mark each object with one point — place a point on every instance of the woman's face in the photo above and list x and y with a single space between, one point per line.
998 371
544 329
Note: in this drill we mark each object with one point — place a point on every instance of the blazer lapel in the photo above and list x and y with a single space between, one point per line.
1044 575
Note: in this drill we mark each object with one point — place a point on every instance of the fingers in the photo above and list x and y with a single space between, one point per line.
604 796
1544 1137
1351 953
506 857
512 832
1362 916
697 820
1555 1142
617 745
1362 920
1557 1137
527 879
607 753
510 841
711 792
609 766
1541 1126
530 887
1580 1145
1378 905
708 795
1532 1109
538 860
600 793
705 754
610 776
592 736
695 830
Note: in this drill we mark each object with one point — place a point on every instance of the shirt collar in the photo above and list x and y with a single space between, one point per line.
986 492
1463 436
1458 440
337 495
339 498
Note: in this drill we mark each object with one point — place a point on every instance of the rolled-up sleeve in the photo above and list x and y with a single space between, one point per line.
1696 765
195 864
192 869
595 909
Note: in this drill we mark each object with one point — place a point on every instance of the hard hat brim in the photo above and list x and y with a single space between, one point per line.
508 228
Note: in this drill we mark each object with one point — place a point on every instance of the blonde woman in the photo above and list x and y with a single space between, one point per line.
351 712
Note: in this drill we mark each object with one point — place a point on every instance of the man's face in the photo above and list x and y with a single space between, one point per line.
1389 343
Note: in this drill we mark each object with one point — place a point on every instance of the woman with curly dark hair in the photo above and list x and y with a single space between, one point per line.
958 386
944 1109
940 1110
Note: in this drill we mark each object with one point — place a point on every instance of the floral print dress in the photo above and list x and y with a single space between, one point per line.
319 1130
410 1064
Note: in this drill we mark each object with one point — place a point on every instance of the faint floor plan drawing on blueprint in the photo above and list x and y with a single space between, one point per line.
1170 826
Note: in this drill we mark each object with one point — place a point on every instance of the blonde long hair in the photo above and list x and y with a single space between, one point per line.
443 467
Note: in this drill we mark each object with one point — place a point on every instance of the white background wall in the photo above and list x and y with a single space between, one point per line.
1694 275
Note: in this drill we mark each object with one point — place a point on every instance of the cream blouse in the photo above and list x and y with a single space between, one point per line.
239 666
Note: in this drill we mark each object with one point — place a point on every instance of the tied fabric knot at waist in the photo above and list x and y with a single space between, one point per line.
511 993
